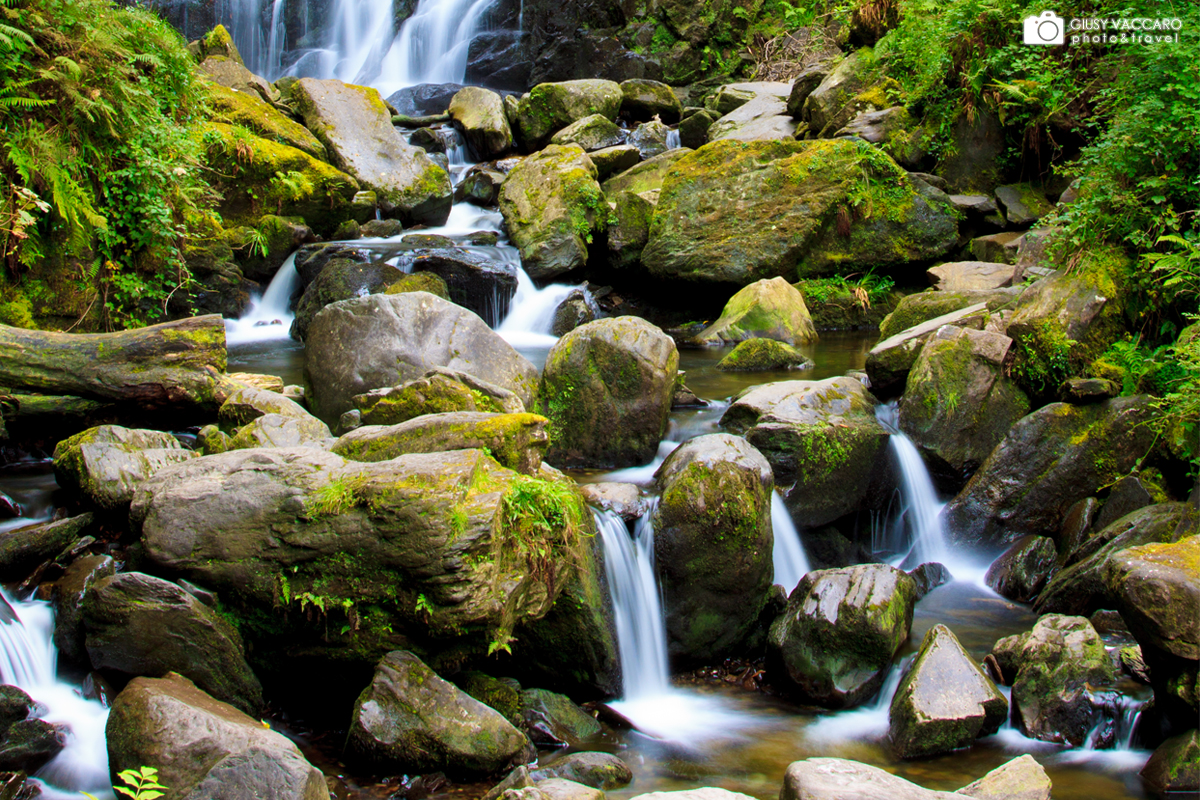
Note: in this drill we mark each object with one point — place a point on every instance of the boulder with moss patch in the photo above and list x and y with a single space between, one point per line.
239 108
831 105
420 282
643 100
766 309
594 132
713 544
645 177
1175 765
479 114
341 279
104 465
550 107
436 392
759 355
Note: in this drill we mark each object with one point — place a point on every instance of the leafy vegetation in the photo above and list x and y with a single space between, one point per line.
864 290
140 784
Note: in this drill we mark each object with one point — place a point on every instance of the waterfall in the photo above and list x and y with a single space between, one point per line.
673 139
432 44
28 660
269 317
868 721
791 563
921 507
530 319
359 34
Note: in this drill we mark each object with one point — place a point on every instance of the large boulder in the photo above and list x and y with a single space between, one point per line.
832 104
971 276
517 441
763 118
550 107
606 389
1175 765
820 435
766 309
438 391
23 549
1021 571
944 701
1022 778
372 342
479 114
354 124
713 545
834 643
891 360
841 779
552 204
1046 462
646 177
203 748
251 111
799 191
1059 665
595 132
341 279
643 100
958 404
410 719
137 624
104 465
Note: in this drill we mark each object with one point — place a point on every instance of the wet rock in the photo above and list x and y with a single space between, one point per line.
625 499
713 544
277 430
382 228
929 576
341 279
552 720
594 132
356 127
29 744
550 107
312 259
104 465
693 130
1175 765
412 720
383 340
646 177
968 276
766 309
1022 570
836 640
204 748
1126 496
758 355
1081 391
1046 462
438 391
518 441
23 549
137 624
958 404
610 161
944 701
629 227
474 281
599 770
511 787
578 309
1059 665
1023 204
67 598
1023 778
15 706
559 789
1076 526
839 778
606 389
1080 588
650 139
643 100
823 435
913 309
890 362
479 114
481 187
551 204
248 404
424 99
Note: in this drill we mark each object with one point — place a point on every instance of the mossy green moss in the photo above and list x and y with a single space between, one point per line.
756 355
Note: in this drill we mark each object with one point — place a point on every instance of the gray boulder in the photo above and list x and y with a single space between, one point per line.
340 279
763 118
67 597
599 770
766 309
104 465
891 360
842 779
550 107
436 392
594 132
277 430
970 276
1175 765
479 114
1022 778
831 105
643 100
650 139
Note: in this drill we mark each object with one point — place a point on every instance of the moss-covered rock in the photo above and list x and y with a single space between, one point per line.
1023 203
261 250
1175 765
420 282
645 177
356 127
802 192
551 719
766 309
411 719
763 118
713 545
1021 571
643 100
914 309
606 389
629 229
439 391
238 108
594 132
1022 778
552 205
104 465
944 701
276 430
24 549
599 770
479 114
501 695
550 107
834 643
891 360
758 355
341 279
611 160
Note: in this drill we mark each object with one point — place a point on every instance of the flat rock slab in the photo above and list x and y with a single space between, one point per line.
959 276
841 779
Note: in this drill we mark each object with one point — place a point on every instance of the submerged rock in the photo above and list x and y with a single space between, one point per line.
713 545
834 644
412 720
104 465
204 748
766 309
944 701
760 355
599 770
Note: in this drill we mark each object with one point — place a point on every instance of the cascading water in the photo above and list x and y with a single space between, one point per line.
868 721
530 318
673 139
432 44
922 508
791 563
269 317
28 660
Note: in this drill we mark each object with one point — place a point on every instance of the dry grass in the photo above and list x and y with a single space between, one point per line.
783 57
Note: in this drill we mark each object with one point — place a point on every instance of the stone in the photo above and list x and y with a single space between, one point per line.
372 342
821 435
140 625
1075 527
438 391
834 644
518 441
713 545
643 100
913 309
424 99
802 87
248 404
577 309
552 205
354 124
693 130
203 748
22 550
1156 588
30 744
1021 571
832 104
766 309
650 139
1023 204
763 118
552 720
479 114
966 276
341 279
250 111
997 247
890 362
892 129
1046 462
232 74
624 499
978 143
612 160
978 208
559 789
944 701
929 576
758 355
1175 765
277 430
480 186
104 465
594 132
1126 496
511 787
1082 391
410 719
1023 778
473 280
67 597
599 770
646 177
842 779
615 376
550 107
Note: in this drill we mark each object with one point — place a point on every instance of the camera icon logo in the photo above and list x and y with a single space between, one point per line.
1046 28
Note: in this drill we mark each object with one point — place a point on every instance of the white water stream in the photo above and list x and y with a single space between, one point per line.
791 563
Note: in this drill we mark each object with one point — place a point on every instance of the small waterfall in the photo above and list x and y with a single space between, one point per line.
791 563
530 319
637 610
922 508
269 317
673 139
28 660
432 44
868 721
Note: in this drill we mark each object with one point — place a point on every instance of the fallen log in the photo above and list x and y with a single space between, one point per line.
167 366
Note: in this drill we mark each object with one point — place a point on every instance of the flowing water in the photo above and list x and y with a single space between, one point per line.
791 563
